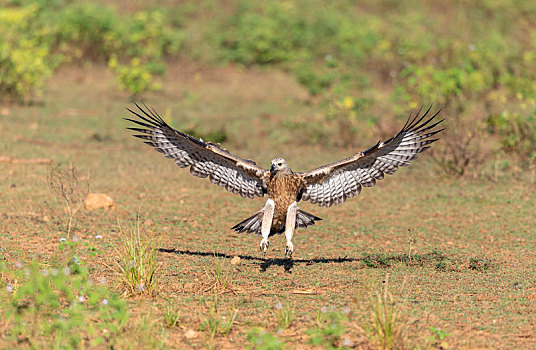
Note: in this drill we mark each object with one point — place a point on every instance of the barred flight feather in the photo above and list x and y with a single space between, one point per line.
332 183
233 173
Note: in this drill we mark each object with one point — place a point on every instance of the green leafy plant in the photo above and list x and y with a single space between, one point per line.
24 57
55 307
261 340
328 330
517 133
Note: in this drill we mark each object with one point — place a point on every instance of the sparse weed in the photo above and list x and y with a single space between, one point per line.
385 319
172 315
285 314
479 264
137 266
220 282
218 323
71 187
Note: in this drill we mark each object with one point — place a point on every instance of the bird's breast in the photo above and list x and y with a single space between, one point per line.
283 189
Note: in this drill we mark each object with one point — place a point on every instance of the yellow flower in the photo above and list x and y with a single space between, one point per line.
348 102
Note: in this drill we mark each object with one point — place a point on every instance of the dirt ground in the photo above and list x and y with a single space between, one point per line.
457 254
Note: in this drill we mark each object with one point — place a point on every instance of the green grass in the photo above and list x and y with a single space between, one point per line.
138 261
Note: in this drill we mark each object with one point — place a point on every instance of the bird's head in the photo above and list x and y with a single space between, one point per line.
278 164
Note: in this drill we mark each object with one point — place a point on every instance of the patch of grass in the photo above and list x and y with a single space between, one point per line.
218 323
259 339
172 315
137 266
328 329
220 284
285 314
385 319
479 264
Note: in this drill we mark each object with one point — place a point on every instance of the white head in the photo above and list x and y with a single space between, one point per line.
278 164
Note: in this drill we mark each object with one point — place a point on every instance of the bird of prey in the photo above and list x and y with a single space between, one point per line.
327 185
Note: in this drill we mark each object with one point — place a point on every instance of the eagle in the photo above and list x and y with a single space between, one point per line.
327 185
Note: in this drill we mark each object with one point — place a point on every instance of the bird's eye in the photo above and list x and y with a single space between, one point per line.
279 164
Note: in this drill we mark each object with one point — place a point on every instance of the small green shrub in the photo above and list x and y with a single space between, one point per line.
56 307
25 61
517 133
261 340
134 77
328 330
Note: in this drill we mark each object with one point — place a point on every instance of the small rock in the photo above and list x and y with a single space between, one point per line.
190 334
98 200
46 218
236 260
149 222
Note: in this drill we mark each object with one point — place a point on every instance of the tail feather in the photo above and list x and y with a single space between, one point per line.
304 219
250 225
253 223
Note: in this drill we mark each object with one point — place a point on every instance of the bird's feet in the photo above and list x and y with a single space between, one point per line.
289 250
264 245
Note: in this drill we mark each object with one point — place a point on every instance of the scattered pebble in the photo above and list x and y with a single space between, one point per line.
236 260
278 306
98 236
104 302
347 342
66 271
54 272
81 299
190 334
9 288
62 239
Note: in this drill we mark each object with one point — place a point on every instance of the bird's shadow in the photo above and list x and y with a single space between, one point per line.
265 263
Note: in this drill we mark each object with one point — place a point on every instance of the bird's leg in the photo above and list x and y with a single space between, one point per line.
267 224
290 225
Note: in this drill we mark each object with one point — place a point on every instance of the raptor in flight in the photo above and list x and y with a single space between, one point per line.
330 184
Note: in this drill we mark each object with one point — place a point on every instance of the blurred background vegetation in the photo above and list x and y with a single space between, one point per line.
364 63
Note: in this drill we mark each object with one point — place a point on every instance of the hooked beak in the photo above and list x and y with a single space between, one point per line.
272 171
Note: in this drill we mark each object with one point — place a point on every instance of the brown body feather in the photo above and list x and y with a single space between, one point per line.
283 188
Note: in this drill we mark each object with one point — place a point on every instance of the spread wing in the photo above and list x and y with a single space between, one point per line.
336 182
205 159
